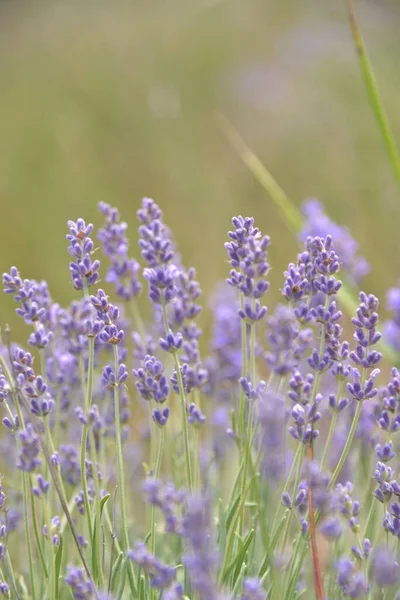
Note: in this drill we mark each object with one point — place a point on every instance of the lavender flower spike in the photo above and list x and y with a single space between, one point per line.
84 271
248 255
151 382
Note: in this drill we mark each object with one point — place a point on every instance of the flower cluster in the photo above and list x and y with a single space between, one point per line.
138 470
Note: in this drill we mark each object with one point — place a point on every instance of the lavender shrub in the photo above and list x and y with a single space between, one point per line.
135 468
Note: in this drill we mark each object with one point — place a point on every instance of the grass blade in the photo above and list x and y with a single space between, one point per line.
374 96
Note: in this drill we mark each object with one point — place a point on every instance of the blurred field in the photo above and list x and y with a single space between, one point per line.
114 101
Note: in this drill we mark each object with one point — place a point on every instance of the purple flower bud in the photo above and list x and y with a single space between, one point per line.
151 382
28 458
304 528
357 552
252 590
300 498
385 453
331 528
160 416
385 569
111 335
366 548
39 338
172 343
81 586
195 416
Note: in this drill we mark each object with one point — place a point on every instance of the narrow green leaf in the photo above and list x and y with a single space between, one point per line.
279 529
221 525
231 512
374 96
242 554
239 581
265 564
146 539
232 527
103 502
115 569
96 532
122 580
142 588
94 550
58 560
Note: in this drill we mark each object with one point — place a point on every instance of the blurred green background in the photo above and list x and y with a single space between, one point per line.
116 100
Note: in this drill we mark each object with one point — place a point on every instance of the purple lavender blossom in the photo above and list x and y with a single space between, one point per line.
195 416
385 568
351 583
151 381
318 223
252 590
389 417
168 499
331 528
391 327
281 335
248 255
69 464
42 486
201 557
81 587
173 593
160 417
225 362
123 272
4 589
157 251
272 419
161 575
84 271
28 458
4 387
110 379
366 334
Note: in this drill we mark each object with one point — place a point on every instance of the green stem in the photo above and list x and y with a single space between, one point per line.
329 439
137 319
37 536
10 572
185 428
93 457
347 446
156 476
296 485
248 437
332 426
24 475
286 486
242 399
85 484
27 535
121 476
153 508
52 582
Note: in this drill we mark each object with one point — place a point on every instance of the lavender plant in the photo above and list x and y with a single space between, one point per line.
135 468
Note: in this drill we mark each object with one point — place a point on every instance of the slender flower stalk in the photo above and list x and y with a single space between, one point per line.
121 475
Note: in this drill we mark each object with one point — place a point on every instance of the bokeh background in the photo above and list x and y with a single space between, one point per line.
116 100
